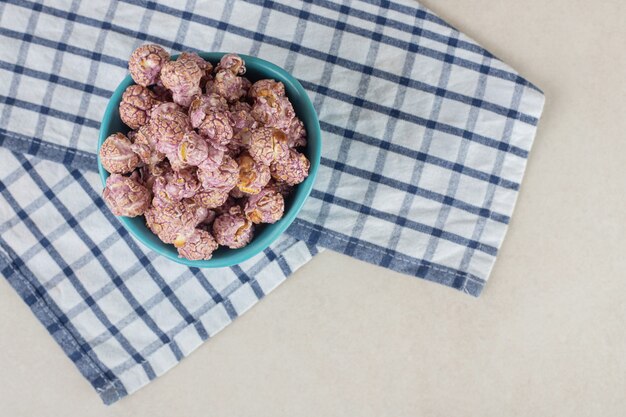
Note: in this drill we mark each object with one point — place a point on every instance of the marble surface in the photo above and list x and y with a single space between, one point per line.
343 338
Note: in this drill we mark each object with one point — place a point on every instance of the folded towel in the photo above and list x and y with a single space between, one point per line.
426 137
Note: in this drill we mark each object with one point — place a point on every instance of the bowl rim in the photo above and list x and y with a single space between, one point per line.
260 242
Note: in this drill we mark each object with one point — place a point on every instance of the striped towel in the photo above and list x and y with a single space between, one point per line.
426 137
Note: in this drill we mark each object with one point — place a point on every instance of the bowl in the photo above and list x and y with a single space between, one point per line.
264 234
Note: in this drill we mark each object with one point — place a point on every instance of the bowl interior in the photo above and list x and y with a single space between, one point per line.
265 234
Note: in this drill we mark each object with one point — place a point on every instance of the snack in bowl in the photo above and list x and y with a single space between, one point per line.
204 145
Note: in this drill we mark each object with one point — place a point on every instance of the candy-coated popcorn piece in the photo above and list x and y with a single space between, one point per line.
117 156
183 79
137 102
267 88
241 117
272 112
126 196
193 149
214 158
175 186
200 245
228 204
228 85
146 62
224 178
205 104
205 66
266 145
210 199
145 145
149 173
233 229
296 134
253 175
168 129
237 193
164 108
267 206
216 128
174 222
293 169
232 62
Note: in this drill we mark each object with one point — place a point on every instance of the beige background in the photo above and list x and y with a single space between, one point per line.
343 338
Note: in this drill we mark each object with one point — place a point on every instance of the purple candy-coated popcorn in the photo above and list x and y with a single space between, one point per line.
193 149
204 66
292 170
117 156
213 160
149 173
137 102
237 193
241 117
205 104
253 175
228 85
216 128
146 62
145 145
176 185
266 145
272 112
198 246
164 108
232 62
183 79
232 229
265 207
267 88
225 177
169 129
296 134
211 199
174 222
126 196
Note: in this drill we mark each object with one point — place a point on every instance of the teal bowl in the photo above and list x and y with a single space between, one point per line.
264 234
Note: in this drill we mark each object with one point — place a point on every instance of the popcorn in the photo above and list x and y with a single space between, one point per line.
175 222
204 66
174 186
117 156
182 77
216 128
265 207
273 112
145 146
211 199
293 169
126 196
267 88
213 160
296 134
267 145
228 85
137 101
146 62
253 175
232 62
205 168
198 246
203 105
169 129
225 177
232 229
193 149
